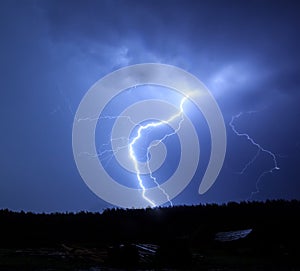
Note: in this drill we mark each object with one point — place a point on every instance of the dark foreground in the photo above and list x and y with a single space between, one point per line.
245 236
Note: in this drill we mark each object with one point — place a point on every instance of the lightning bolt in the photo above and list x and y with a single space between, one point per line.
139 136
259 150
130 146
112 152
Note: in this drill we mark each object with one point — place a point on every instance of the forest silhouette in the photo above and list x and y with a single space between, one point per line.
177 233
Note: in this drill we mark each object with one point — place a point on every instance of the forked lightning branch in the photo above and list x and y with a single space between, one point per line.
133 157
89 114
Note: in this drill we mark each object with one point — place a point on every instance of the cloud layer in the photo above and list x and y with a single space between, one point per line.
53 51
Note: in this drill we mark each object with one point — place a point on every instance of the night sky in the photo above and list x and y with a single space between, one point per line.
52 52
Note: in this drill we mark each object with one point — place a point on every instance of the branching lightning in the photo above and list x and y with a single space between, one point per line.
123 138
259 150
112 152
130 146
139 135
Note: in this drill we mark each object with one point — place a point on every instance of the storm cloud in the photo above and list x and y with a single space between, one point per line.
246 52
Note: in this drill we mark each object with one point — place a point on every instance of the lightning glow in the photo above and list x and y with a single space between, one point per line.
259 150
139 136
101 179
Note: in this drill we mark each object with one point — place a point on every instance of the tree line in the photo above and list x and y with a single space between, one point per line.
272 221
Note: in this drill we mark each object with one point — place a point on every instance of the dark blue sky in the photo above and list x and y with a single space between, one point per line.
51 52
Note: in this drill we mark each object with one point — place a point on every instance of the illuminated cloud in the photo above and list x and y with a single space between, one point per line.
246 52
